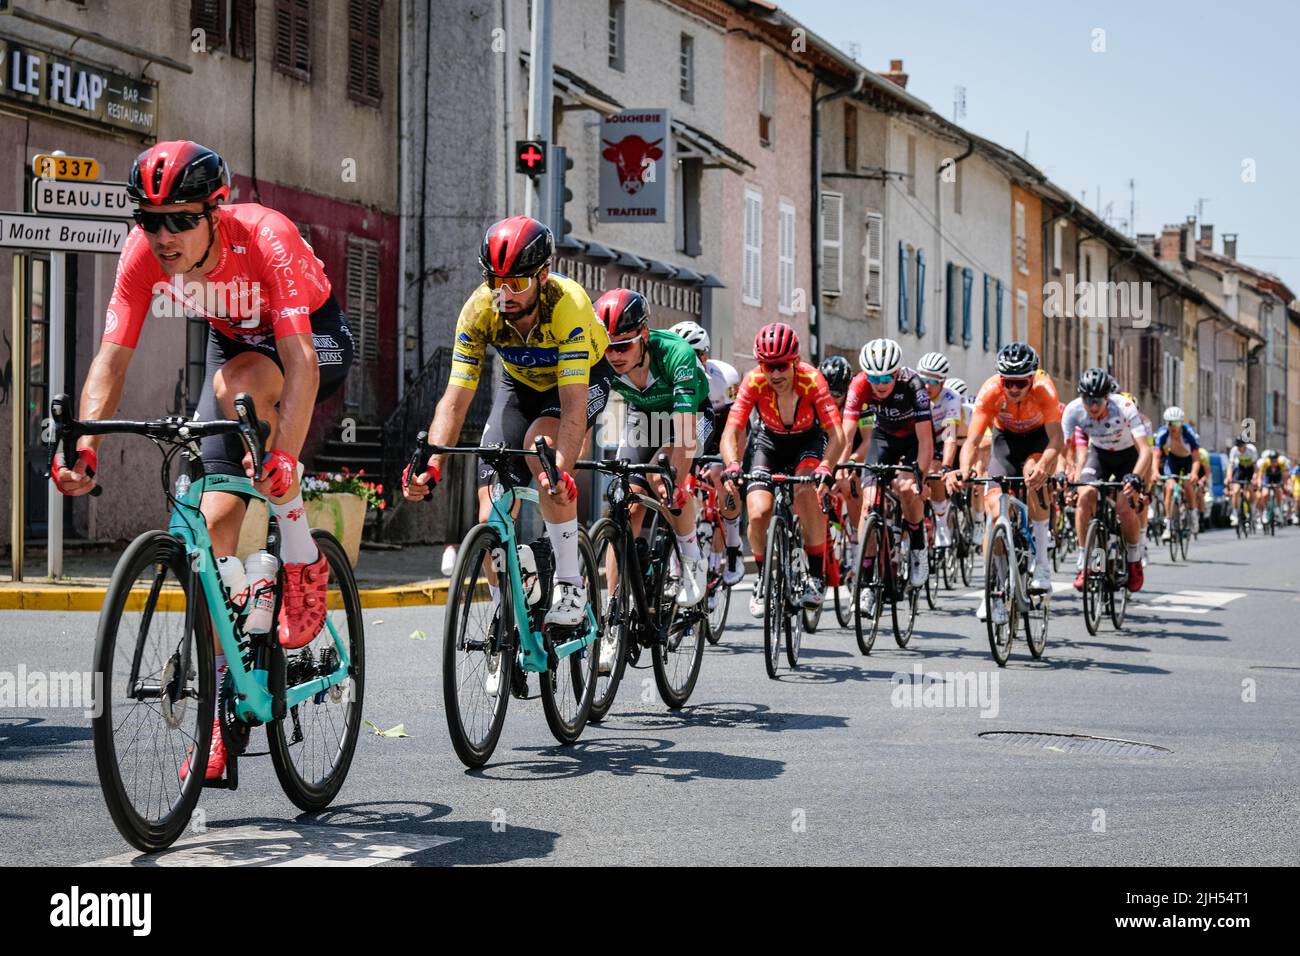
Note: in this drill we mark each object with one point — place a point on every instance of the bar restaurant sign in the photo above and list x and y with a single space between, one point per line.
63 85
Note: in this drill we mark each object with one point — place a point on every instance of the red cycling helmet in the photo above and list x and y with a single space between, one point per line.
518 246
776 342
622 311
178 171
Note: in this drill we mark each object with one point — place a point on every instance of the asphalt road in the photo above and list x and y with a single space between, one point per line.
822 766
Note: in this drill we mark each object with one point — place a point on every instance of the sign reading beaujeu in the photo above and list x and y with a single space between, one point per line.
53 82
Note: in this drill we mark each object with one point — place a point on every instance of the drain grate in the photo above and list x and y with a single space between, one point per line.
1075 744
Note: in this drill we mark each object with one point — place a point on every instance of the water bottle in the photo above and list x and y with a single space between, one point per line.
235 581
261 569
448 560
528 572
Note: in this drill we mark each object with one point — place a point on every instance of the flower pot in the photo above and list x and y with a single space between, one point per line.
342 515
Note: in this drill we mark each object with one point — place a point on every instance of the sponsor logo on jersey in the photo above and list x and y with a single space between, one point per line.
463 376
464 337
110 322
574 356
573 373
464 359
577 334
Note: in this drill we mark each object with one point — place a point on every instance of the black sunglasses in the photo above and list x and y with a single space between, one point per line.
621 347
173 221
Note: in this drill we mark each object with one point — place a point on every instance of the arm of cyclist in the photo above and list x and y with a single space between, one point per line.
100 397
448 419
1037 471
924 443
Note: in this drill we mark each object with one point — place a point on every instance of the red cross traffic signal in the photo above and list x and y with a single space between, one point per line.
530 157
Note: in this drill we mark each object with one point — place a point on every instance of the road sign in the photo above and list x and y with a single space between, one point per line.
81 168
61 234
81 199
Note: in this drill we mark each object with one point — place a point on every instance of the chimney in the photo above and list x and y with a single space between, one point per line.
1187 239
1146 241
1169 240
896 74
1207 237
1230 245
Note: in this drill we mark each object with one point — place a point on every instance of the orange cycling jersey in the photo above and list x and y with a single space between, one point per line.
813 403
268 279
993 407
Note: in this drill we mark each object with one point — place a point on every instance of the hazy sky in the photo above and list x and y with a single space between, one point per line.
1182 95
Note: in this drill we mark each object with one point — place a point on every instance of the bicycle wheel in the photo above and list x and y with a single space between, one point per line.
1036 624
871 582
155 692
570 683
966 547
904 620
775 586
997 588
842 553
679 642
796 614
929 580
1174 525
616 612
1117 573
1094 577
720 595
313 744
478 650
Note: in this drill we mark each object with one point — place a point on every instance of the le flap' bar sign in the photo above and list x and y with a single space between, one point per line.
53 82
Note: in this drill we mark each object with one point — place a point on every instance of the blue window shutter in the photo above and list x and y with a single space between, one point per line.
902 287
920 293
987 336
950 293
1000 291
967 280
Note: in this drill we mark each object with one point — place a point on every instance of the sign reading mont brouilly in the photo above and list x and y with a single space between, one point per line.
64 85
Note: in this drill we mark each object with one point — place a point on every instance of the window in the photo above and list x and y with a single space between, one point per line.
292 54
766 95
850 138
690 173
1207 394
832 243
615 29
686 69
785 258
225 23
950 308
902 287
1058 241
1022 241
920 293
364 78
873 251
1020 327
967 280
751 284
911 165
363 317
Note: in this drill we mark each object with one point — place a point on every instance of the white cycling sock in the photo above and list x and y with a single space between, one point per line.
1134 552
296 543
733 531
1040 541
690 546
940 508
564 543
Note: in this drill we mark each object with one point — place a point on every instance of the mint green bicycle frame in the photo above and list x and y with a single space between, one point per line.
532 651
254 702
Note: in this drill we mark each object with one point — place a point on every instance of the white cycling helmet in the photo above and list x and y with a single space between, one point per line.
881 357
1174 414
694 333
933 363
957 385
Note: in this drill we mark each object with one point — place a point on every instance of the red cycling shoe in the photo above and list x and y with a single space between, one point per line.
1078 580
302 604
216 756
1135 577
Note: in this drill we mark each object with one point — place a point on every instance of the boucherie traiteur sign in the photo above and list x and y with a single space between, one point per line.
635 162
52 82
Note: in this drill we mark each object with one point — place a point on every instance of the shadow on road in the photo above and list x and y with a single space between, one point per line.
632 756
724 715
29 738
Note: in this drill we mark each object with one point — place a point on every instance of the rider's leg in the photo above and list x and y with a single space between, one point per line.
938 492
812 523
560 517
1083 512
758 502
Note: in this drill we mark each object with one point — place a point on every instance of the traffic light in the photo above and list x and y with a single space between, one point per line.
530 157
560 193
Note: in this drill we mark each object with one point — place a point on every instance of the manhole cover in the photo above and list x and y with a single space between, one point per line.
1075 744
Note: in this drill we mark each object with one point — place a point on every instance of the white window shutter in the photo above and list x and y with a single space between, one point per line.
873 250
785 259
832 243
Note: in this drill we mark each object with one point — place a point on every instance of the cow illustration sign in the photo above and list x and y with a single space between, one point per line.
635 165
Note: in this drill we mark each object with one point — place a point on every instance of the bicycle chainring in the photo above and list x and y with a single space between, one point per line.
234 732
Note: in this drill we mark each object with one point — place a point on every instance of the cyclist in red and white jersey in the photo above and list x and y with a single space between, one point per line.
276 332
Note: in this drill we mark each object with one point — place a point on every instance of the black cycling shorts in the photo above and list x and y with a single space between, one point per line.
515 406
1103 465
335 350
1242 474
1177 465
886 449
783 454
640 443
1012 449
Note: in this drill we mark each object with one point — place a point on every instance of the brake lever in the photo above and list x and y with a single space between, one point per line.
419 460
65 434
545 453
252 431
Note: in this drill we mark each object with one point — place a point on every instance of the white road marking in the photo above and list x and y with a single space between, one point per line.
290 845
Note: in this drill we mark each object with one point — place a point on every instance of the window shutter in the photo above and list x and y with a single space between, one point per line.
785 258
902 287
751 280
210 17
293 37
950 297
920 293
967 280
832 243
987 336
243 29
1000 290
874 249
363 51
